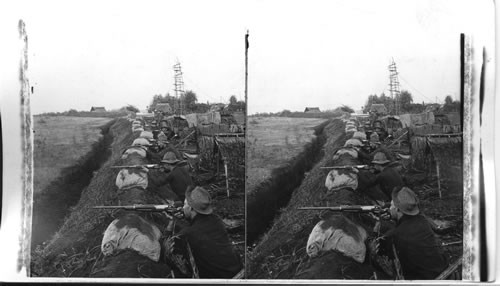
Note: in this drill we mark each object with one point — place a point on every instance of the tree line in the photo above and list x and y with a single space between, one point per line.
405 101
189 103
406 104
76 113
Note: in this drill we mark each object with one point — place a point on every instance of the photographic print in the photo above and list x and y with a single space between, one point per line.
322 141
362 175
138 143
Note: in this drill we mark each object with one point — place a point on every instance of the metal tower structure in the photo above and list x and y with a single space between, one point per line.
394 86
179 87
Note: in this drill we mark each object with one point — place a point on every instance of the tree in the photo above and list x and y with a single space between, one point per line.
201 108
72 112
233 100
285 113
387 101
190 100
372 98
405 97
448 100
158 98
405 100
346 108
450 105
131 108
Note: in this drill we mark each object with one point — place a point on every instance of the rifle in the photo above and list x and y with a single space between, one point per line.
355 209
448 271
184 139
397 139
171 209
148 166
346 167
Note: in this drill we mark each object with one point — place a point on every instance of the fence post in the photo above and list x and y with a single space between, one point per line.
438 179
218 159
227 178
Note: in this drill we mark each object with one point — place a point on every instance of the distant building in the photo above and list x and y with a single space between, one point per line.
312 110
432 107
217 107
378 108
163 107
97 109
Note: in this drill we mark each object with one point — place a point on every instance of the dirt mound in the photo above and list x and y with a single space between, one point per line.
124 264
271 195
52 204
76 246
291 228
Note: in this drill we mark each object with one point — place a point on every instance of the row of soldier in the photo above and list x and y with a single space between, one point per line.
172 222
366 168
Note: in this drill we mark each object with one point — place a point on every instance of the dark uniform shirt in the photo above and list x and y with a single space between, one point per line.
418 250
387 180
382 134
211 247
364 156
178 179
372 191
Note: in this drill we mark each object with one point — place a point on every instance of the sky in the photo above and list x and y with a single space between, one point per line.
315 53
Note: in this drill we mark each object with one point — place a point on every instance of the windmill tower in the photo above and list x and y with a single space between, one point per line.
179 88
394 86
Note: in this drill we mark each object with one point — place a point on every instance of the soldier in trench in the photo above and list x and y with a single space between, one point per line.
211 248
420 255
387 177
166 133
175 175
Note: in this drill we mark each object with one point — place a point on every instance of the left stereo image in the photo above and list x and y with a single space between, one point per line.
139 170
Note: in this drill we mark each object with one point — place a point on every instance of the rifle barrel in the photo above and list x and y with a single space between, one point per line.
345 167
343 208
138 207
149 166
107 207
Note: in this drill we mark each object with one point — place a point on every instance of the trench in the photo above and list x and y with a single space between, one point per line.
53 204
265 202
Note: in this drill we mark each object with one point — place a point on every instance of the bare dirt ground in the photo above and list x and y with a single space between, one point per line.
274 141
60 141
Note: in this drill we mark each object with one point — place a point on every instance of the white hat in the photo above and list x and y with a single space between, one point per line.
141 142
353 142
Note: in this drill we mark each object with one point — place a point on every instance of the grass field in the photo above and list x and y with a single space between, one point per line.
272 142
60 141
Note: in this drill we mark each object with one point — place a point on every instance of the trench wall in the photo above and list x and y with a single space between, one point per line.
264 204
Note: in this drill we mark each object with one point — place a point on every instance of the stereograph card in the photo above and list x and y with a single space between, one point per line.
249 142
